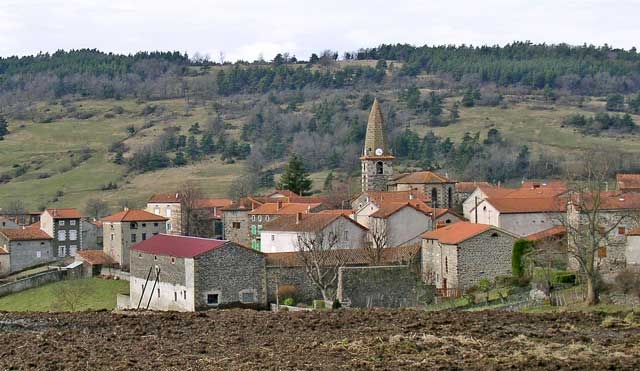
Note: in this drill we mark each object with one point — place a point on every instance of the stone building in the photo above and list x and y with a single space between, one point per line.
63 224
92 235
271 211
400 223
169 206
456 257
283 234
24 248
124 229
377 161
190 273
440 189
7 223
236 223
632 251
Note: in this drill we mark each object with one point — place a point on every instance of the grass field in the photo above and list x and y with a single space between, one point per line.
56 175
96 294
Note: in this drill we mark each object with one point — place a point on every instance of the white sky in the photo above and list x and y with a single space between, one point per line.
250 29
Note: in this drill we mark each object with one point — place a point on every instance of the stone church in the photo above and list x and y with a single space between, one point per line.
377 168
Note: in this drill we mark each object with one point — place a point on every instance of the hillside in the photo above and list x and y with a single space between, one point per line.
211 124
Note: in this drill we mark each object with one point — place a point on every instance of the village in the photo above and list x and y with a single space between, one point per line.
406 240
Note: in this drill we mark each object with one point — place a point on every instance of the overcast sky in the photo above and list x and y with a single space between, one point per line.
250 29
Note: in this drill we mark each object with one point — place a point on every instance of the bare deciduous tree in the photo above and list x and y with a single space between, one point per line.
96 208
321 258
590 221
189 196
379 236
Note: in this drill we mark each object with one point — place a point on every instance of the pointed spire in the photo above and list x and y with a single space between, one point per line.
375 143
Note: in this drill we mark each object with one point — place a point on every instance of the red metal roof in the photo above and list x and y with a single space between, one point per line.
178 246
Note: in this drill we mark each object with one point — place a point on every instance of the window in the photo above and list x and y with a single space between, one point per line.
253 218
185 294
346 235
273 237
168 212
235 225
38 254
602 252
144 236
133 237
62 250
73 249
61 223
155 257
266 218
168 226
62 235
446 264
247 296
134 225
158 292
212 299
73 235
112 236
260 218
139 256
494 234
157 210
379 168
175 296
621 230
155 224
173 260
254 229
144 225
72 222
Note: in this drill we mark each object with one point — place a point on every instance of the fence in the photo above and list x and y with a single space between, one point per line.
568 297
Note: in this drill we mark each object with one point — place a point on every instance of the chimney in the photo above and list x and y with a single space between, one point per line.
125 208
410 196
298 218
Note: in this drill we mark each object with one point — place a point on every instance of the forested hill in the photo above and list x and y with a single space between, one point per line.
84 123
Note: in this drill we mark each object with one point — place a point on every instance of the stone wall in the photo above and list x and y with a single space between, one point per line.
31 282
229 271
487 255
387 287
172 272
238 235
295 276
25 254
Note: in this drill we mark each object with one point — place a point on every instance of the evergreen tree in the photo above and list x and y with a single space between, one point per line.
295 177
454 112
522 162
179 160
119 158
206 144
4 127
192 148
615 102
468 98
328 182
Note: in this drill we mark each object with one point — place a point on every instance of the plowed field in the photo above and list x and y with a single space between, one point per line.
346 339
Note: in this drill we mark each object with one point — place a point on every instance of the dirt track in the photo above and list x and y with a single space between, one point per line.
354 339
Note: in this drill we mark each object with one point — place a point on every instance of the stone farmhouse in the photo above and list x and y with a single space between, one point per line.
456 257
284 233
63 224
190 273
126 228
24 248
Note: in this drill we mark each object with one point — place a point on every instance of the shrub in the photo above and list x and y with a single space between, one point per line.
289 301
287 291
628 282
563 277
336 304
520 248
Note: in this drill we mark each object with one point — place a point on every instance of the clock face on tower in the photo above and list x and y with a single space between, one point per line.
378 151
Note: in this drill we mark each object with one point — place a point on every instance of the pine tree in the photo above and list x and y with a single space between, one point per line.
192 148
4 127
179 160
295 177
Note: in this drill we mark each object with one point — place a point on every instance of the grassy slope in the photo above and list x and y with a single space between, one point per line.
100 294
46 147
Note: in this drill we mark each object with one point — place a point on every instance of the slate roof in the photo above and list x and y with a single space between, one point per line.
457 232
26 234
64 213
177 246
134 216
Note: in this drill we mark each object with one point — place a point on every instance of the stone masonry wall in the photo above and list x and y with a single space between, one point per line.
25 254
173 273
388 287
229 271
484 256
295 276
237 235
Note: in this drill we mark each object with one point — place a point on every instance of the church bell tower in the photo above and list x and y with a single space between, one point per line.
377 161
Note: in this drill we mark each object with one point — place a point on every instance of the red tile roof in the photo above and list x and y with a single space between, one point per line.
386 209
468 187
27 234
283 208
345 212
628 182
422 177
517 205
390 255
457 232
283 193
64 213
543 184
553 232
165 198
134 216
177 246
612 200
308 223
95 257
